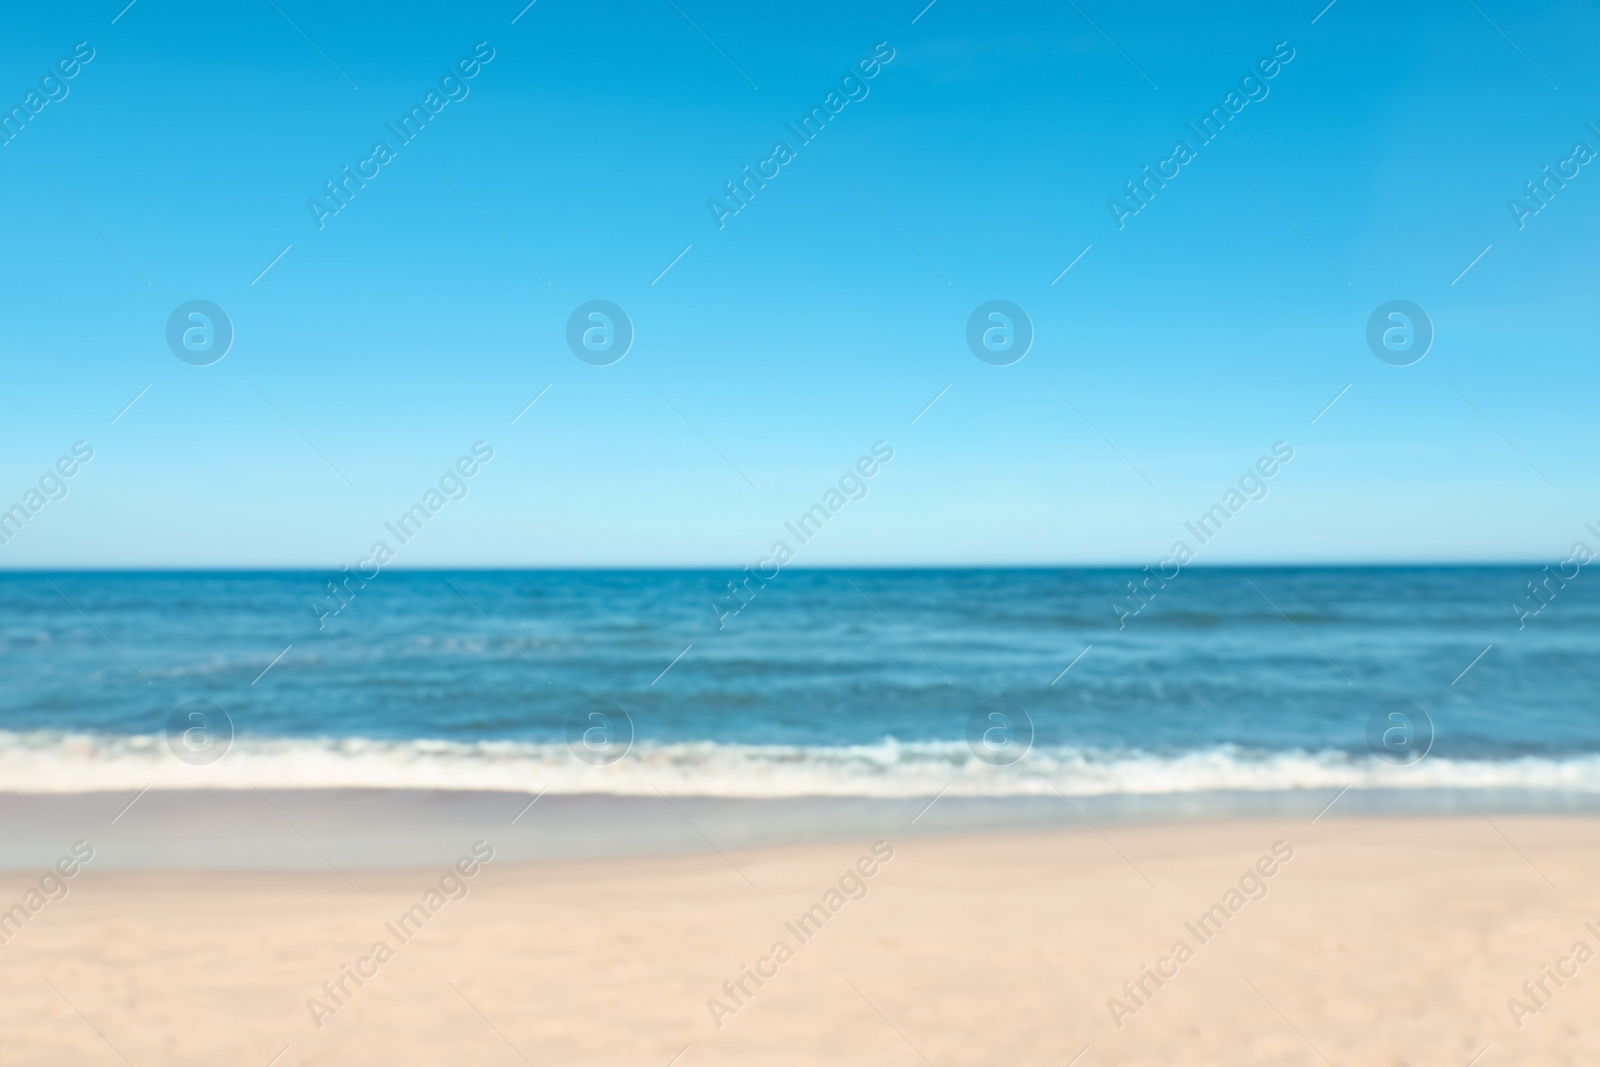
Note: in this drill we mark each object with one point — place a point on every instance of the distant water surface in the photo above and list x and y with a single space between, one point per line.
845 682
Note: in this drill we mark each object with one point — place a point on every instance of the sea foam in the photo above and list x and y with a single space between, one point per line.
50 762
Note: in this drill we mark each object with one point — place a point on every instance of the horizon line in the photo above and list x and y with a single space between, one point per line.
721 567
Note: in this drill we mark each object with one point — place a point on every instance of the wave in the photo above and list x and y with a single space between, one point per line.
48 762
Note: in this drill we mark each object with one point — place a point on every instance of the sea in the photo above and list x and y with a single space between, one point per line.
869 683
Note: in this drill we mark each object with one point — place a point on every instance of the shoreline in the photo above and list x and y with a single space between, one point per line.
322 829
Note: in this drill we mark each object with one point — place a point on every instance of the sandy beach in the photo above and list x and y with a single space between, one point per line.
516 549
1348 941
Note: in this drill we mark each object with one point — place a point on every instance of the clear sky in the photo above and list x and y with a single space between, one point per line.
976 164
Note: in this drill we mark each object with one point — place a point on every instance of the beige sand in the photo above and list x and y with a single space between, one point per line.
1382 942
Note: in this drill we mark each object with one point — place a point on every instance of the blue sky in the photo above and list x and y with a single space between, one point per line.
824 316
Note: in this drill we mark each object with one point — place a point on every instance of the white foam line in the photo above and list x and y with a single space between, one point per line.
52 762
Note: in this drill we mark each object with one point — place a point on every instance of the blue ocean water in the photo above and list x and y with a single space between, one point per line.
837 682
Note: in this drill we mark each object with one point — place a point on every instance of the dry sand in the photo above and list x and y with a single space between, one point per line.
1382 941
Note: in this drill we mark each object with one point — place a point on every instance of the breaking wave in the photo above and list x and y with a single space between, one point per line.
49 762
